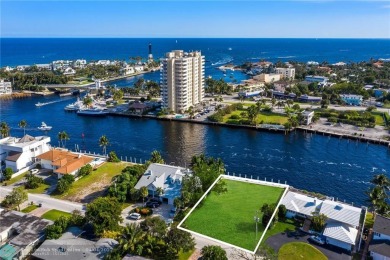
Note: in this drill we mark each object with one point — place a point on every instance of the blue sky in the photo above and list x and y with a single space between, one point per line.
252 19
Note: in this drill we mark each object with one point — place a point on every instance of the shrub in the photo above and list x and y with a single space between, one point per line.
112 157
8 173
63 185
85 170
33 182
234 117
144 211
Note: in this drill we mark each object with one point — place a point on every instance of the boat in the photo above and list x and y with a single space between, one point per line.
44 127
39 104
74 106
92 112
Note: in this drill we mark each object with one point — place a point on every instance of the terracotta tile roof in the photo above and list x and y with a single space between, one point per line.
66 161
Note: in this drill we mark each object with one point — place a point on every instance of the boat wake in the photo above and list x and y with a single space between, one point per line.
286 57
223 61
39 104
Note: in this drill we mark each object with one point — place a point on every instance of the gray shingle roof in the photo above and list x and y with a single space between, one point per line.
382 225
381 247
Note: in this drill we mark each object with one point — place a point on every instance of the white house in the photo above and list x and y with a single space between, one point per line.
380 243
138 68
20 153
167 177
307 117
127 70
69 71
342 225
79 63
63 162
5 87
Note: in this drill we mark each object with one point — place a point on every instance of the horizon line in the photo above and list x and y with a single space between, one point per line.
192 37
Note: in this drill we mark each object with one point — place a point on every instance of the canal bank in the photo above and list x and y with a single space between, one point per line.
338 167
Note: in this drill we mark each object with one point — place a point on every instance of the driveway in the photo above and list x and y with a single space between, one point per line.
162 211
332 253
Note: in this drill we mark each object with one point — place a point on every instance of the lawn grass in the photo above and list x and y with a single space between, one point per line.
280 227
369 220
262 117
379 118
229 217
29 208
17 178
55 214
271 118
185 255
299 251
41 189
95 182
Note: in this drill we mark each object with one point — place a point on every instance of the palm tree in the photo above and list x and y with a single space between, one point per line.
23 124
63 136
4 129
103 141
381 180
156 157
376 197
160 191
87 101
273 102
144 193
132 235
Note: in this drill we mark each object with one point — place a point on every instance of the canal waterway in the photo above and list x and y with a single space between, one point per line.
337 167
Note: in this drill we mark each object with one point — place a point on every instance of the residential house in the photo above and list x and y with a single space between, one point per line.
5 87
167 177
343 221
312 78
268 78
71 246
138 108
20 233
79 63
355 100
44 66
21 153
380 243
307 117
63 162
127 70
286 73
309 99
69 71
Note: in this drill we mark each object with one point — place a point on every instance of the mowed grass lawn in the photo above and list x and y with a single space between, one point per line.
298 251
229 217
95 183
55 214
262 117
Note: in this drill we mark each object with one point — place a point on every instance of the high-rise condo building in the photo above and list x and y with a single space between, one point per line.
182 80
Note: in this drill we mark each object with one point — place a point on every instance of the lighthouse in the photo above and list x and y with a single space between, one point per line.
150 56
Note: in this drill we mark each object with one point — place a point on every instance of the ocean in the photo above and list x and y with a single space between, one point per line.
19 51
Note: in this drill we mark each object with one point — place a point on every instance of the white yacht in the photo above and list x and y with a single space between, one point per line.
44 127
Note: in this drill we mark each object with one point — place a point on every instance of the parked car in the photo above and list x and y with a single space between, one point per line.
134 216
34 171
152 204
317 240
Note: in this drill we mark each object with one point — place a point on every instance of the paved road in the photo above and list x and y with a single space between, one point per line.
47 201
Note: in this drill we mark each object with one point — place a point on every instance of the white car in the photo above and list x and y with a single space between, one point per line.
34 171
135 216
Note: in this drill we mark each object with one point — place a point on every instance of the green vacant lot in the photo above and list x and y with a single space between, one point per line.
229 217
55 214
262 117
93 184
298 251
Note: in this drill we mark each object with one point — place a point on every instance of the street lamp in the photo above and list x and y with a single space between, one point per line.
256 219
